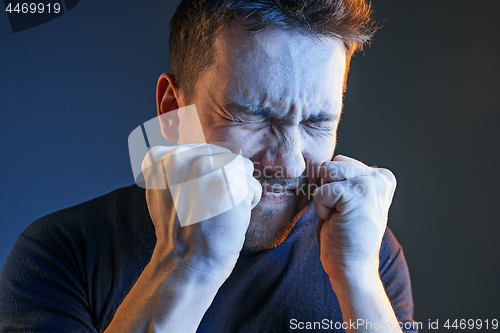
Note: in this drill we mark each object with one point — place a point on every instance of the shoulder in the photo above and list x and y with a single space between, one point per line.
123 205
125 197
390 249
116 223
76 264
389 242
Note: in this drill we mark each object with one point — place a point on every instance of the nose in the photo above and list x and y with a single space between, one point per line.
284 158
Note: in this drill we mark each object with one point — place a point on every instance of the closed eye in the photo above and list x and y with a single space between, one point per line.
326 126
244 113
322 121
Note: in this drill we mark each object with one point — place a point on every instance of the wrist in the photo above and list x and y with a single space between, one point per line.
363 296
360 276
183 295
167 296
187 268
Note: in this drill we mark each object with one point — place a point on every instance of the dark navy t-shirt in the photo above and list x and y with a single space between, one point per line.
70 271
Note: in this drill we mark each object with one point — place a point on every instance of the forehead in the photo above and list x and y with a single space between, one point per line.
278 69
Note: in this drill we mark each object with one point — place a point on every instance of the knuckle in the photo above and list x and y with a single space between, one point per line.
248 164
202 163
325 168
221 159
360 188
389 175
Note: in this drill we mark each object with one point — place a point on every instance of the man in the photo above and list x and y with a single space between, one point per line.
304 247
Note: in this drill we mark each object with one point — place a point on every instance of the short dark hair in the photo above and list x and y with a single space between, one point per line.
196 24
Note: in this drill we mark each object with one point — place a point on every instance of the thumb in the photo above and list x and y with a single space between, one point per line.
254 191
320 226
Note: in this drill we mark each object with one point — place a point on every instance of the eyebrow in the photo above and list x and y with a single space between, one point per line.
265 112
321 117
255 111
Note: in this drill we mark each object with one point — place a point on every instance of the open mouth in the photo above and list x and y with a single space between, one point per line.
277 194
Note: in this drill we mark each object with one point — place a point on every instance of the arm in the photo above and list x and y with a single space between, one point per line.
353 204
42 290
62 276
166 298
363 300
189 262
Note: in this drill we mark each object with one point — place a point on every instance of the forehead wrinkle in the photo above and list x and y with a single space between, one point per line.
281 77
267 112
258 57
260 109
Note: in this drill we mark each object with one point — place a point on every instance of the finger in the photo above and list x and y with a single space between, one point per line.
341 170
389 180
254 191
326 197
320 226
388 175
339 197
344 158
249 167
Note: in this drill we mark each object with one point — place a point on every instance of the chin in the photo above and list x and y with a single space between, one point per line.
270 224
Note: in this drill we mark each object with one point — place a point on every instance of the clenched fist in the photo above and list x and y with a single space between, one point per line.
200 198
352 203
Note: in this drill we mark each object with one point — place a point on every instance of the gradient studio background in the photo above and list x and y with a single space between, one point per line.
423 101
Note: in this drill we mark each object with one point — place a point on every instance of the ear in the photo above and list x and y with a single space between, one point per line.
168 102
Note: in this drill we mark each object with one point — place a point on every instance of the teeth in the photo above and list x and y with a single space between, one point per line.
276 191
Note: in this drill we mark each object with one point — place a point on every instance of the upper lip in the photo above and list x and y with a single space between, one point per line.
276 188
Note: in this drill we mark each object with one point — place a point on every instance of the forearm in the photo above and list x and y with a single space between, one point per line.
168 298
364 301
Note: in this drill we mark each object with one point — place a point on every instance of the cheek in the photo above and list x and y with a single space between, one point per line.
248 138
319 148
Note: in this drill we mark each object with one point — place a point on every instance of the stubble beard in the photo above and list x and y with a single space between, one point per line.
270 226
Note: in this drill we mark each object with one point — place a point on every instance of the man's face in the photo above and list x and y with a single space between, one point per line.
278 96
